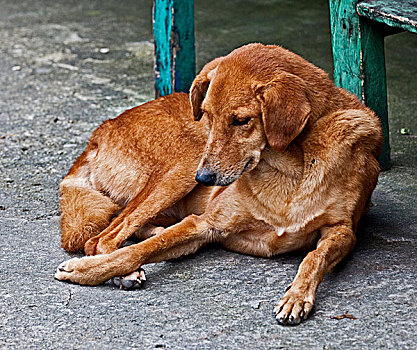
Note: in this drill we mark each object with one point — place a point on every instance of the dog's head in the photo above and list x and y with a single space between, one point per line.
250 101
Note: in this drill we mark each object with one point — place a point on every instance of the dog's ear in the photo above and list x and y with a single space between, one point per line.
200 85
285 109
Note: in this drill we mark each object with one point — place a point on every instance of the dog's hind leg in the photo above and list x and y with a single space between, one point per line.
85 212
161 194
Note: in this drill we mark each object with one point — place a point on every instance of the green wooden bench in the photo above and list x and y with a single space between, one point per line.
358 31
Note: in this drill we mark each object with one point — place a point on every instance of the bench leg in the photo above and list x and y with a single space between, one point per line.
374 79
173 30
359 63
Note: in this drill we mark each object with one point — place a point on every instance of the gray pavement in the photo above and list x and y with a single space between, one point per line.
67 66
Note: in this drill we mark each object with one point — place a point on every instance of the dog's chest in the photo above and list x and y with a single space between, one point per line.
273 197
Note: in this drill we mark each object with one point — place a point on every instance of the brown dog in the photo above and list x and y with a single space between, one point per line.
291 160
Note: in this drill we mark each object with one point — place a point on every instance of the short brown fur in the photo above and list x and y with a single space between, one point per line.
293 161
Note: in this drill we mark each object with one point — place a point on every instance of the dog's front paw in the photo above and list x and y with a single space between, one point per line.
135 280
86 270
294 307
65 271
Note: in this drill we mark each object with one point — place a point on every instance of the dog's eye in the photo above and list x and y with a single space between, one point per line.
240 121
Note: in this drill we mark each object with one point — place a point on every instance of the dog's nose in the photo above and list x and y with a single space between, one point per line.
205 177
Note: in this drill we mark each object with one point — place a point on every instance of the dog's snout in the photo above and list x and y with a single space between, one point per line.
206 177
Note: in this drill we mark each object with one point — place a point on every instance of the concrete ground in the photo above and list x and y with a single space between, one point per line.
65 66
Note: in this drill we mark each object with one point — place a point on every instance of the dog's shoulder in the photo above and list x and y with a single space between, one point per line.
339 144
340 159
335 135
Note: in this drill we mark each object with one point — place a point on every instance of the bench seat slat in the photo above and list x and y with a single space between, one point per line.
400 13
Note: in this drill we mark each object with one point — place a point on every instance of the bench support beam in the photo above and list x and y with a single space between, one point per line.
359 63
374 79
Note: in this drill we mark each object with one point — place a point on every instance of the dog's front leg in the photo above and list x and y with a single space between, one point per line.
180 239
335 243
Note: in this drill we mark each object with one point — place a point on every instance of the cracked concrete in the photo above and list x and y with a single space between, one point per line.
67 66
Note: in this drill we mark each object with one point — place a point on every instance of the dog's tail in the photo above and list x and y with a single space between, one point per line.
85 212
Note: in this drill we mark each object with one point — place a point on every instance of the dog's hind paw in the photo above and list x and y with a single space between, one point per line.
135 280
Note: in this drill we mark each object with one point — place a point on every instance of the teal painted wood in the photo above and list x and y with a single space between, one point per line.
359 64
184 44
173 29
162 28
400 14
374 79
344 23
